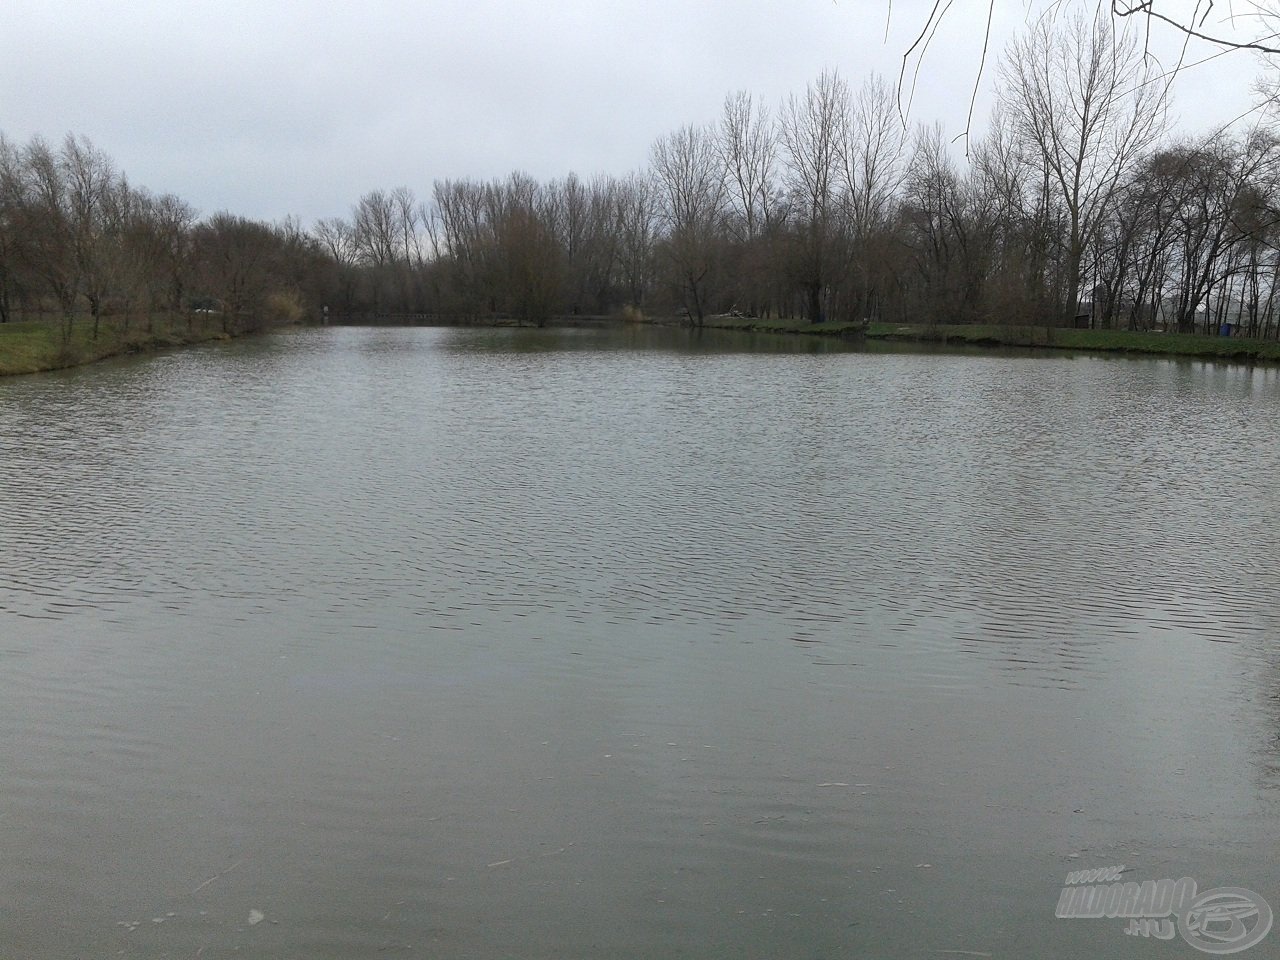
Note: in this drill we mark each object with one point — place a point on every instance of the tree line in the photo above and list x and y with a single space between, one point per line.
79 242
1076 208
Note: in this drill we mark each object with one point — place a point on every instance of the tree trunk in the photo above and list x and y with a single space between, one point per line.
813 294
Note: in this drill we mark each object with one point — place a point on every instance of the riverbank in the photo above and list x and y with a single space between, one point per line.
991 335
36 346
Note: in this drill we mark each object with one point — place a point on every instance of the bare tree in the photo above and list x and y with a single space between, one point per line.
568 205
464 243
386 233
97 197
45 221
337 236
377 228
408 225
747 143
748 146
947 232
528 259
1024 227
1076 95
874 161
690 182
10 206
234 258
637 232
814 133
873 166
1218 215
174 218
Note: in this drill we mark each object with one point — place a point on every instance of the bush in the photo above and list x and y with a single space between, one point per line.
283 307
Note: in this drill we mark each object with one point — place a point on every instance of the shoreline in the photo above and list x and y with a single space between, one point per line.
35 346
1189 345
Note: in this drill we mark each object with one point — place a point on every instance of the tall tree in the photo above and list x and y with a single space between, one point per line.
637 229
873 166
46 221
747 143
814 135
1085 110
690 183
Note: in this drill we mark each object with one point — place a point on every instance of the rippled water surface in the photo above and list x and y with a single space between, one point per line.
554 644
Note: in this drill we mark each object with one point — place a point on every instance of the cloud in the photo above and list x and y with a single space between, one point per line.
270 107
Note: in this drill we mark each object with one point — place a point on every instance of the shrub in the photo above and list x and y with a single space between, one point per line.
283 307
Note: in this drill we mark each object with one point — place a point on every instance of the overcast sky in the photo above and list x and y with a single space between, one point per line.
276 107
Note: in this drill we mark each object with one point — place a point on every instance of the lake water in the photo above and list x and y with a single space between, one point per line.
629 644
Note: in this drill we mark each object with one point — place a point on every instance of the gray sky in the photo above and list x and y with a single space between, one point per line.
276 107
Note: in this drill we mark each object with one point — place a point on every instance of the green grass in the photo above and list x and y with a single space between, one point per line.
999 335
35 345
1116 341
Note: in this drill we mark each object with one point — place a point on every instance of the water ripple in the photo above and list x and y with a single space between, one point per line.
399 606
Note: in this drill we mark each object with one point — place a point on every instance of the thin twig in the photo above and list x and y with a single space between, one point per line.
217 876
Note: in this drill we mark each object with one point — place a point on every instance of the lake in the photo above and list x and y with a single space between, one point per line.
629 643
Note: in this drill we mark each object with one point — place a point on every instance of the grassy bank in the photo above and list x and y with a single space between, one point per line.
37 345
992 335
1111 341
34 346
